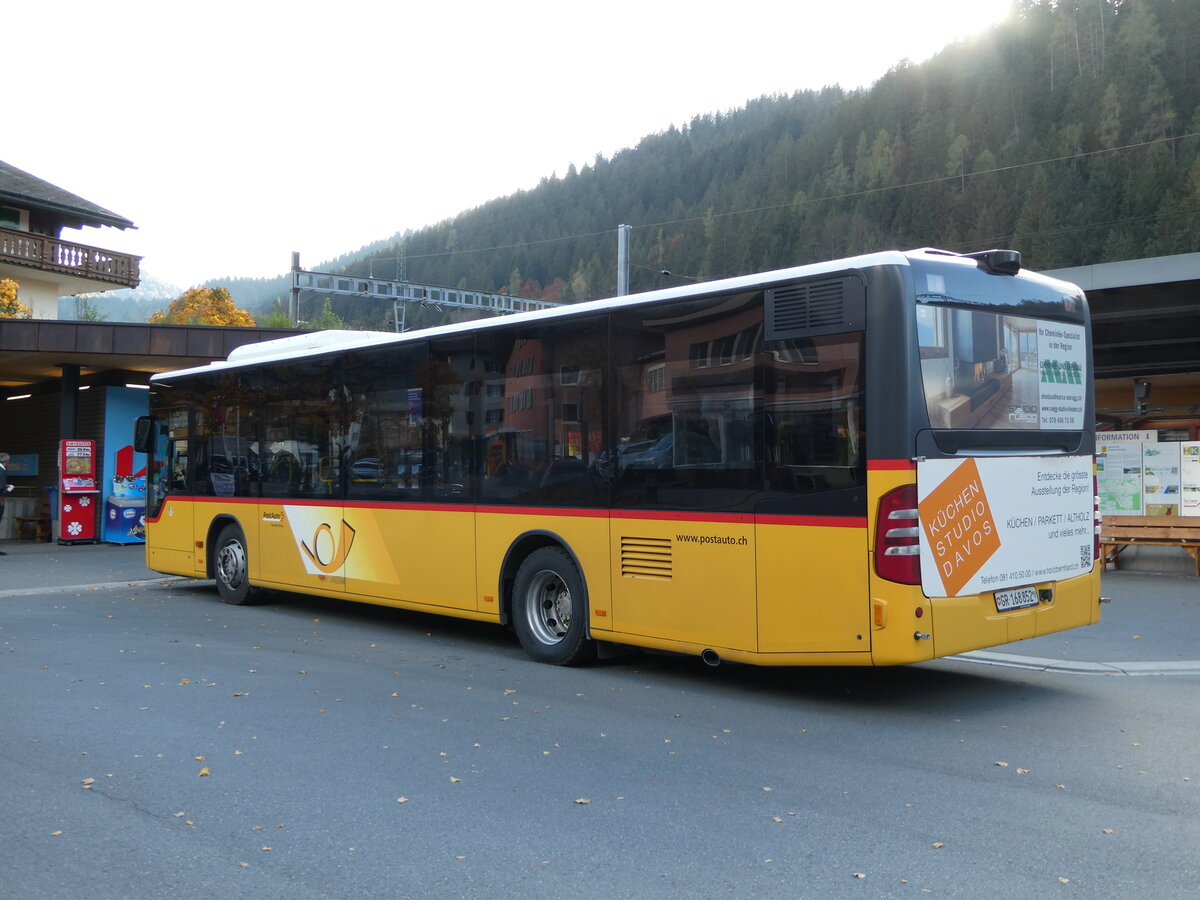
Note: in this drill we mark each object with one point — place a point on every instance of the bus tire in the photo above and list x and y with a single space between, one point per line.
549 609
231 567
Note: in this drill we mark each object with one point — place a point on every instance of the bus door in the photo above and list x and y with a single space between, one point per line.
409 529
303 537
170 545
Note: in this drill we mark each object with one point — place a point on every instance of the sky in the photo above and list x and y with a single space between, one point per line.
234 133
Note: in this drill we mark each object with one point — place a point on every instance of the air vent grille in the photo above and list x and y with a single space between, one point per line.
646 557
815 307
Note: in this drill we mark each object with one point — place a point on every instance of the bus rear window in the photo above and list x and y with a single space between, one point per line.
984 370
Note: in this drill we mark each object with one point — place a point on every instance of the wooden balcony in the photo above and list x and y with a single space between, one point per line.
51 255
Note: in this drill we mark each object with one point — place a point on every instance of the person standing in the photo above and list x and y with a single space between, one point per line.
5 487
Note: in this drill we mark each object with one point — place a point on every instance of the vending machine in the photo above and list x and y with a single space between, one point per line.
78 493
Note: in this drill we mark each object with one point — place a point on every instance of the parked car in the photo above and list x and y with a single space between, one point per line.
693 449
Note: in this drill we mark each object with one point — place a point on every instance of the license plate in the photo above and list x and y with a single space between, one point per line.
1018 598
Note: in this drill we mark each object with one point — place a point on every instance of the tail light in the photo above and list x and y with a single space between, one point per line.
1096 515
898 537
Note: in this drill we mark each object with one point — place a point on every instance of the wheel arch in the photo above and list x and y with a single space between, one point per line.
518 551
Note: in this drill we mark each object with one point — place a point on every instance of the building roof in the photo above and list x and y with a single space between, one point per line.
18 188
33 351
1133 272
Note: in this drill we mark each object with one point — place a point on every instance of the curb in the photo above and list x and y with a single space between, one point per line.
1075 667
62 589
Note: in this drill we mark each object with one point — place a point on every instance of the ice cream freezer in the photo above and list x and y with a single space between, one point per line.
125 520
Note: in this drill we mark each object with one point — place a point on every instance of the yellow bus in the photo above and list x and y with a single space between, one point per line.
869 461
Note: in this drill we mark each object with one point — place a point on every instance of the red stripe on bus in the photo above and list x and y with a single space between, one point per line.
815 521
407 506
549 511
890 465
577 512
669 516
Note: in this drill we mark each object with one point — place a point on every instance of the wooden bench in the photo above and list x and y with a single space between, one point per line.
37 526
1119 532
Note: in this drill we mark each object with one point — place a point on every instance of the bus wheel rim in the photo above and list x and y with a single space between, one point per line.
548 607
231 564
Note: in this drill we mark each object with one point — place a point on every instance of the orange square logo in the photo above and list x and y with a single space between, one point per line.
957 521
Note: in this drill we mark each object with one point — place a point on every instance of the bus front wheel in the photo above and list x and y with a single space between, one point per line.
231 568
549 610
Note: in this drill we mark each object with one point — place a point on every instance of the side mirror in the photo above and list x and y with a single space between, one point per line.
143 434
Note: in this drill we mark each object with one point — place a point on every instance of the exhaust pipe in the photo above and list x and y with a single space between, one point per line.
711 658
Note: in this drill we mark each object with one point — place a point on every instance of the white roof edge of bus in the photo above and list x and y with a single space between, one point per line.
303 345
1053 281
297 343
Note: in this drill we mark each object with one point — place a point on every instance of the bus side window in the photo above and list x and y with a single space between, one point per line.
177 463
538 412
813 415
685 379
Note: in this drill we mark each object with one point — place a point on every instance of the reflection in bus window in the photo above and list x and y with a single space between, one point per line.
385 445
225 450
541 428
303 431
711 414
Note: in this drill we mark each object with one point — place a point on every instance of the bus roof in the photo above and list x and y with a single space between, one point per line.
319 342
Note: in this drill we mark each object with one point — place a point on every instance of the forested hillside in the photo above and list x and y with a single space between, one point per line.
1069 133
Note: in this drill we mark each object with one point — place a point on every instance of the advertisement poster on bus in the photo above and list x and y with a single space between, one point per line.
994 523
981 370
1119 478
1063 358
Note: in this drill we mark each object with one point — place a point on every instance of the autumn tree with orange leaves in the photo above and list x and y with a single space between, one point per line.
10 306
204 306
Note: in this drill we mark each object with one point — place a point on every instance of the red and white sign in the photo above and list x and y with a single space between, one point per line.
77 492
990 523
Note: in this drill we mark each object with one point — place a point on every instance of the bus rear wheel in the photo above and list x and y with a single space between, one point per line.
231 567
549 609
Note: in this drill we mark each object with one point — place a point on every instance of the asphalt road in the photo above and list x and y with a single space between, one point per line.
157 743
